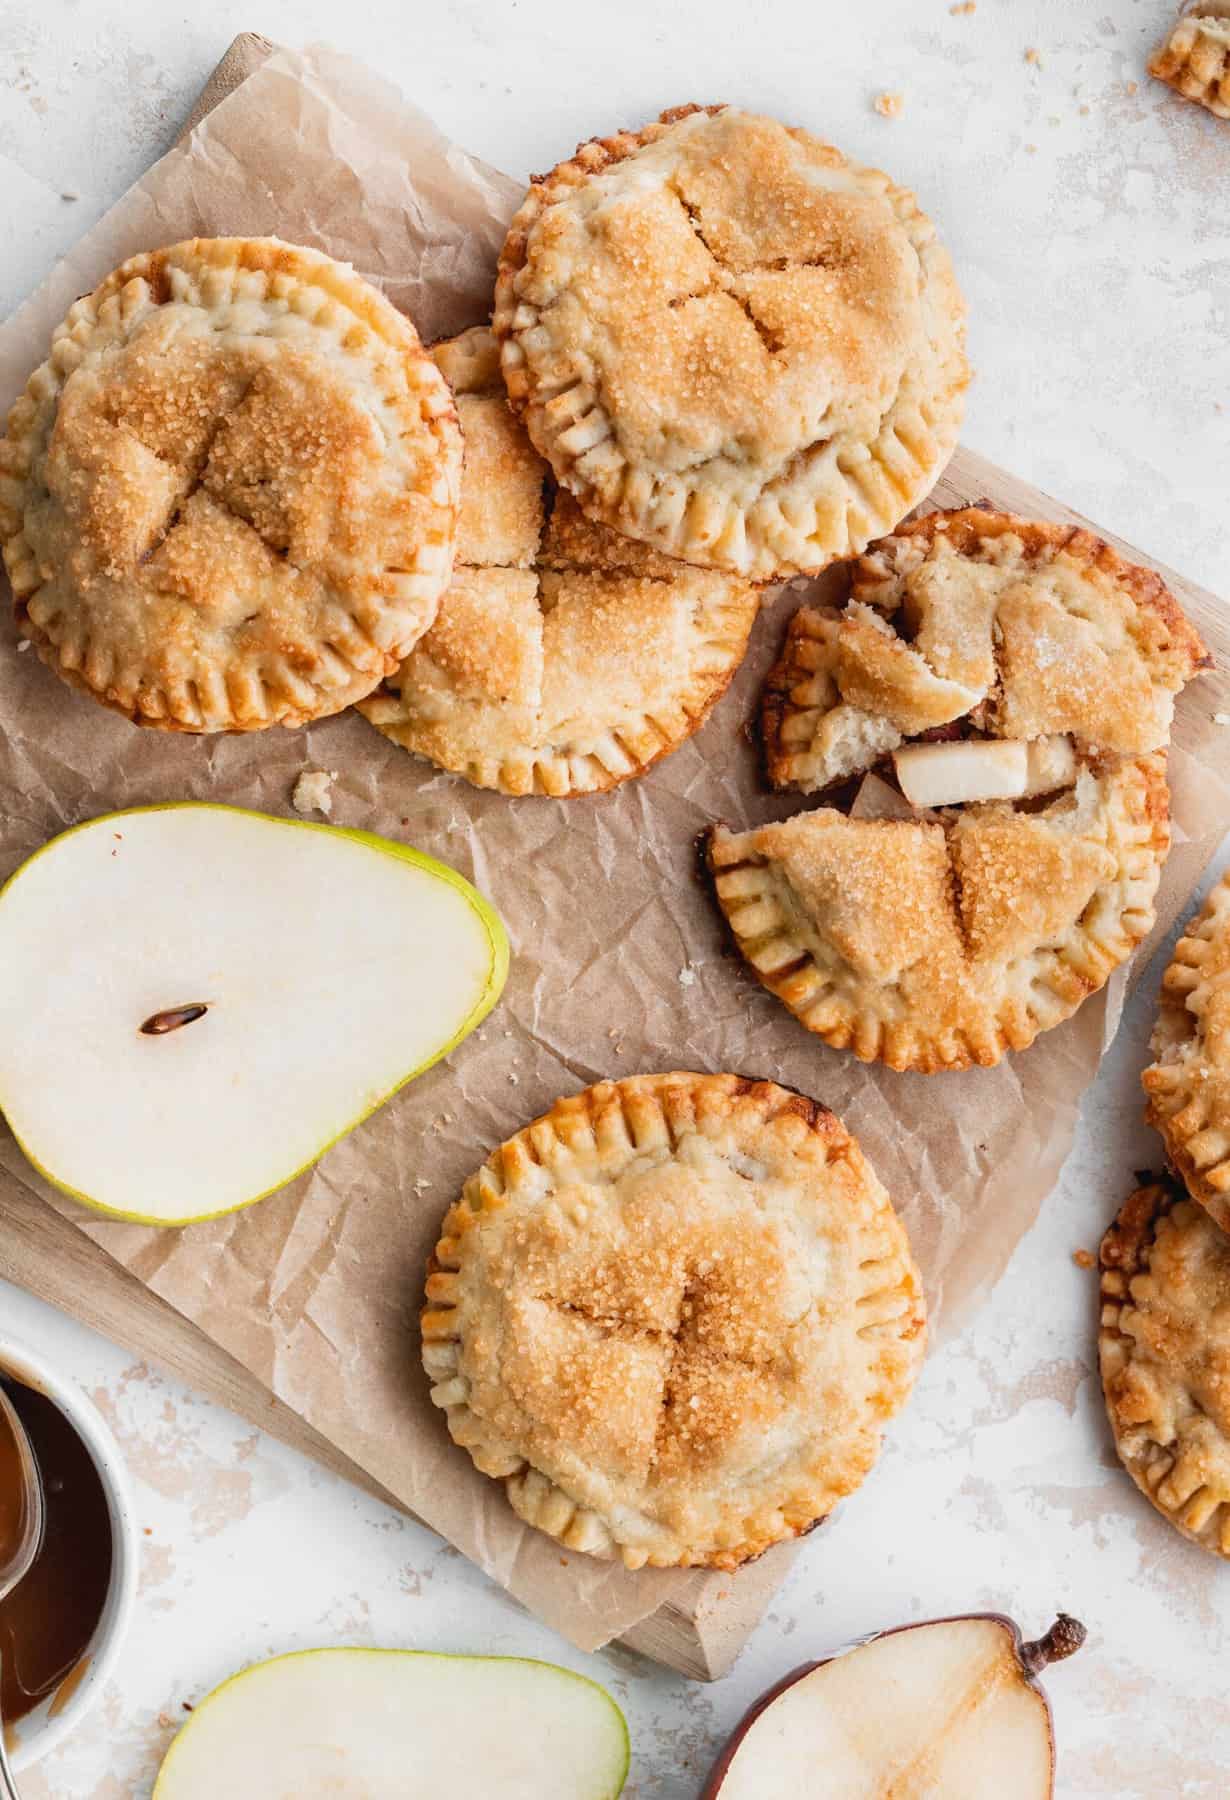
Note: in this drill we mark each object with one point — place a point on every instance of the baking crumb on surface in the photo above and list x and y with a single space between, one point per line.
1220 718
1084 1259
1034 58
686 976
313 791
890 106
1133 87
22 644
963 8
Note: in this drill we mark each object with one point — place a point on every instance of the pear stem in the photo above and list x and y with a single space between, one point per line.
1065 1637
159 1023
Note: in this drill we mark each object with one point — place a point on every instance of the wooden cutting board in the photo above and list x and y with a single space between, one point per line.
46 1254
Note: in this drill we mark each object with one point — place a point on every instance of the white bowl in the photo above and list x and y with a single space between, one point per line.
39 1731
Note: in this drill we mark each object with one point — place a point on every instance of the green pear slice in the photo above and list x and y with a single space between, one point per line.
196 1001
400 1725
948 1707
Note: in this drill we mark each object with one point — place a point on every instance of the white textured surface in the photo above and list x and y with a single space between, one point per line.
1094 246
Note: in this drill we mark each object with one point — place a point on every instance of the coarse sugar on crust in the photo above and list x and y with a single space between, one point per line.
565 658
1015 628
228 498
943 941
1188 1082
731 342
1164 1352
672 1316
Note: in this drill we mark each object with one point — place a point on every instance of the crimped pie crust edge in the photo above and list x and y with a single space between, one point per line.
560 768
744 886
1168 1474
326 293
1195 61
880 484
1193 1125
605 1128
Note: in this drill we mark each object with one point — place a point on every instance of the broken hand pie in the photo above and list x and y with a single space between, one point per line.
228 499
1188 1083
565 658
672 1316
731 342
1164 1348
1021 677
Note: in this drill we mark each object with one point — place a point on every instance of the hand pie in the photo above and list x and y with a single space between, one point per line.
972 626
1195 59
1188 1084
565 658
731 342
944 941
1164 1349
228 499
672 1316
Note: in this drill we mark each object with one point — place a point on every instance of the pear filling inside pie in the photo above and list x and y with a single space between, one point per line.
1015 682
672 1316
979 657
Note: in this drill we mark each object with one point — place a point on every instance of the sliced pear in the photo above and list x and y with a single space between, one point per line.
955 773
196 1001
400 1725
1052 764
951 1707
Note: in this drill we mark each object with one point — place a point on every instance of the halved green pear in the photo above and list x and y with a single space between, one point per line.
400 1725
196 1001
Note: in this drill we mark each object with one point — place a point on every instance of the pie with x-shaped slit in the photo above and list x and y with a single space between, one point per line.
731 342
671 1316
943 941
1188 1083
228 499
1164 1349
565 658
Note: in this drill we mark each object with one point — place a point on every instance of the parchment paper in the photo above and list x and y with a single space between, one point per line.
620 963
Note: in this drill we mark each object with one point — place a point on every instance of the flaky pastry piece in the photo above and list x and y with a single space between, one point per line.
228 498
1164 1350
565 658
731 342
1188 1082
1195 59
970 626
671 1317
943 941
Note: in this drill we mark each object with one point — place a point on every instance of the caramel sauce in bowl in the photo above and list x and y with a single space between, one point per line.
62 1626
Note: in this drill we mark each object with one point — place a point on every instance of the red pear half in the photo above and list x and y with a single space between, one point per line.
950 1707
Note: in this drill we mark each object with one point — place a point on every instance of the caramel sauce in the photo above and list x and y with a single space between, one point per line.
47 1622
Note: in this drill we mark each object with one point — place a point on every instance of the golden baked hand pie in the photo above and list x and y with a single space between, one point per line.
1195 59
731 342
1188 1083
671 1316
971 626
1164 1349
943 941
228 499
565 658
